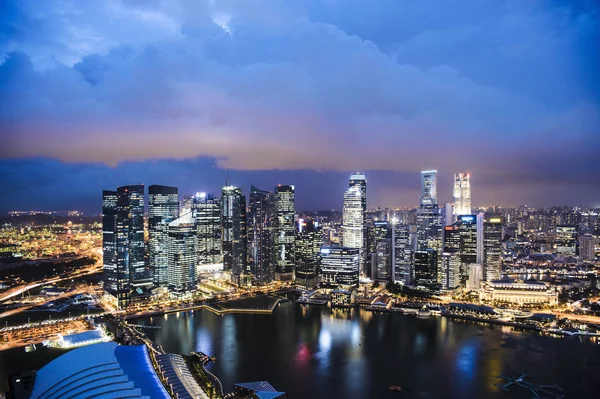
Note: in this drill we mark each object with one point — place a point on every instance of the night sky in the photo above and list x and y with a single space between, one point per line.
95 94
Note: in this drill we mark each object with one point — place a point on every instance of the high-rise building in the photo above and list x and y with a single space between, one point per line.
462 194
109 241
492 246
359 180
566 239
426 268
462 238
182 253
284 231
261 239
429 182
450 269
163 208
339 266
382 261
587 247
207 213
402 255
379 230
233 219
448 214
429 215
126 271
309 240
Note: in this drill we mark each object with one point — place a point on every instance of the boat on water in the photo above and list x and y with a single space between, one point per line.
424 313
395 388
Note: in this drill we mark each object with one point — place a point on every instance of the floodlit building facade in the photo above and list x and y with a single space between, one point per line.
182 253
462 194
492 246
519 293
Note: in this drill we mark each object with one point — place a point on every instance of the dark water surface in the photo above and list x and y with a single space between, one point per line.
316 352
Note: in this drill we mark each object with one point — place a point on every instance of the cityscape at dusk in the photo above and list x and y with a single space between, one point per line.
271 199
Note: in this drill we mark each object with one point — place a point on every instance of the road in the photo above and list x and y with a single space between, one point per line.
18 290
50 299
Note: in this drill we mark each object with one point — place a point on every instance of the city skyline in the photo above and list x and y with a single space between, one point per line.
301 92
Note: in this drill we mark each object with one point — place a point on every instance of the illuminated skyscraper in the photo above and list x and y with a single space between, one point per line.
109 240
450 269
354 218
426 268
284 231
462 194
309 240
462 238
182 253
339 266
132 274
207 212
381 262
492 246
233 219
429 215
402 255
163 207
380 230
261 239
429 182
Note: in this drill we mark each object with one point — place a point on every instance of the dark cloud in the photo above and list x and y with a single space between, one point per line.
507 90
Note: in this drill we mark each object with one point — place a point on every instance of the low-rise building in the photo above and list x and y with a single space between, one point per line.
528 292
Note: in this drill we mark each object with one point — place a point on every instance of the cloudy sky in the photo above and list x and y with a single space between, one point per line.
95 94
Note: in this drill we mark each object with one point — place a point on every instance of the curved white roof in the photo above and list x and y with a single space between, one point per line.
101 371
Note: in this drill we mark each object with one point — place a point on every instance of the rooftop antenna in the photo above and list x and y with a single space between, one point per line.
226 176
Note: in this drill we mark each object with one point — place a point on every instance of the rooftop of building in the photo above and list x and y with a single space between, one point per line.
101 371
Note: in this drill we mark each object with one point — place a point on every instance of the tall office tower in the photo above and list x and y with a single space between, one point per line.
462 194
309 240
163 208
462 237
109 241
233 219
359 180
566 239
492 246
381 262
448 214
450 269
207 213
379 230
261 239
284 232
402 254
426 265
429 187
132 274
181 269
339 266
587 247
429 215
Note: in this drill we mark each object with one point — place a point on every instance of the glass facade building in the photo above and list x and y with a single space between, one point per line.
182 253
284 231
207 212
402 255
339 266
261 240
163 207
492 246
233 212
426 268
309 240
109 240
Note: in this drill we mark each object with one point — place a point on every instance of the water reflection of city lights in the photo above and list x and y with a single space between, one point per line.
303 353
467 360
204 342
324 340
